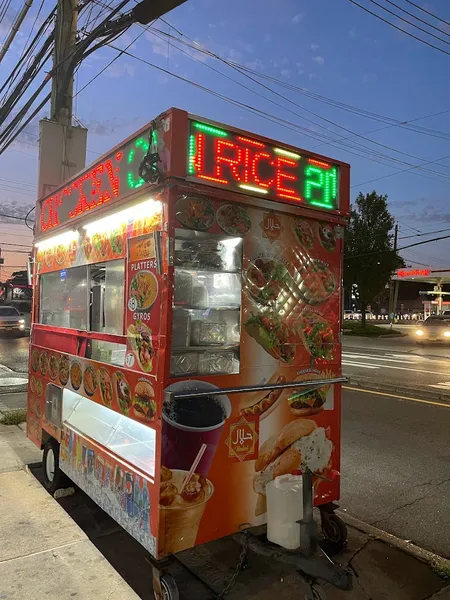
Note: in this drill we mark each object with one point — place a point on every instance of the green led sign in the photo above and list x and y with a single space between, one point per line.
248 165
140 147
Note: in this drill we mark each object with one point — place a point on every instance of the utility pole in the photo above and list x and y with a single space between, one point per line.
62 146
393 295
65 40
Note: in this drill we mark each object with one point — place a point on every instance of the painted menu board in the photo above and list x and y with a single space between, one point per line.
121 390
289 332
143 305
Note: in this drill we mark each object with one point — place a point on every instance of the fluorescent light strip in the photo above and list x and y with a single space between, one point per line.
287 153
62 238
147 208
251 188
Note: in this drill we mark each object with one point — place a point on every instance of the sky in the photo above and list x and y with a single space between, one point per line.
323 52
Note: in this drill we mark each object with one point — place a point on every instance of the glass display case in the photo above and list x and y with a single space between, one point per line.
132 441
207 304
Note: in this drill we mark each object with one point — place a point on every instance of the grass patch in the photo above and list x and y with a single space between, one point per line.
355 328
441 569
14 417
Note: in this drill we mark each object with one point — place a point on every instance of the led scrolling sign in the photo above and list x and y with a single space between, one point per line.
244 164
103 182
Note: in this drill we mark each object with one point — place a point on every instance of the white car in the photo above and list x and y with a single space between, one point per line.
11 320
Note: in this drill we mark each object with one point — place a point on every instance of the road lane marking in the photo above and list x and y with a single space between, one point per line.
350 364
372 357
400 369
419 400
444 385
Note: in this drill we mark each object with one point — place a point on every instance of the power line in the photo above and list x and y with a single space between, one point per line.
427 12
405 237
444 237
11 217
417 18
399 28
408 22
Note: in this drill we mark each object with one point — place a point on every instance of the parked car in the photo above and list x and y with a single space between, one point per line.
11 320
446 314
434 329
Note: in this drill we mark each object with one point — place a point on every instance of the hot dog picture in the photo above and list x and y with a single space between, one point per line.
300 445
264 403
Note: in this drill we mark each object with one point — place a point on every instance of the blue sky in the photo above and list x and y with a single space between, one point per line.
327 47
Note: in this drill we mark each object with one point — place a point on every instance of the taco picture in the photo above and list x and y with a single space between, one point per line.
304 401
64 369
101 244
72 251
60 254
233 219
140 337
144 289
327 236
317 334
35 359
123 392
53 367
89 380
143 403
275 337
117 241
87 247
304 233
195 212
49 255
43 362
76 375
266 279
317 282
106 387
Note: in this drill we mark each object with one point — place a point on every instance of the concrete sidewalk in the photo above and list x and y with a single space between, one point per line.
48 555
43 553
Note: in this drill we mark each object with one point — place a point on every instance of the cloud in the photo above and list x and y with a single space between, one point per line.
319 60
314 47
255 65
120 68
285 73
300 72
297 18
234 55
352 32
267 37
312 76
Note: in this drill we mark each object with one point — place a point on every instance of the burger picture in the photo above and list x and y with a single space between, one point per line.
143 402
298 446
309 400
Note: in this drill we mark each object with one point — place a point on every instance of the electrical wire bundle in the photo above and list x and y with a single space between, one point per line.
25 72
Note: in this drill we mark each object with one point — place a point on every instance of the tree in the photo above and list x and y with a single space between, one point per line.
369 256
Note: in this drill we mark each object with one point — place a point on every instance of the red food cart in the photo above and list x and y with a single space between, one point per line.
185 343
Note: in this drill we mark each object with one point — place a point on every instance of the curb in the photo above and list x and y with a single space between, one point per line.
395 389
436 561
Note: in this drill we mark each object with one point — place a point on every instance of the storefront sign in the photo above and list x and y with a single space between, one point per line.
414 273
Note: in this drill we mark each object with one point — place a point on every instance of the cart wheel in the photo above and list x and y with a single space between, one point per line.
334 530
169 588
53 476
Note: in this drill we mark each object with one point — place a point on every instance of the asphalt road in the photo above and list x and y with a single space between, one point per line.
396 466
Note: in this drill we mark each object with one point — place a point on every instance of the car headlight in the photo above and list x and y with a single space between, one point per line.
419 332
447 334
21 321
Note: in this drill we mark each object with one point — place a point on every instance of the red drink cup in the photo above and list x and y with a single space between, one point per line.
188 423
